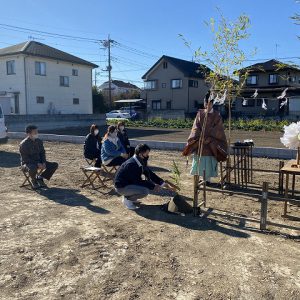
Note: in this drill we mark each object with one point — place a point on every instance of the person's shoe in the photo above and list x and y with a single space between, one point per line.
128 204
35 184
41 183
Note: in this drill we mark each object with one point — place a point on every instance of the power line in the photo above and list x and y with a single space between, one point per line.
49 34
135 51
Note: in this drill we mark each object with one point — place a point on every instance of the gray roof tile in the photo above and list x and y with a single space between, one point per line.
41 50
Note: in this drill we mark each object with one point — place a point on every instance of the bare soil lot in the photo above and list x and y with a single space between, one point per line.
261 138
73 243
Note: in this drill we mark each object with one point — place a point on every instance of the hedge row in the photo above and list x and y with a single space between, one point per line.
239 124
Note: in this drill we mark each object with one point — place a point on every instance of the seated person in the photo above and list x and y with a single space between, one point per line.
92 146
129 182
33 157
122 135
112 151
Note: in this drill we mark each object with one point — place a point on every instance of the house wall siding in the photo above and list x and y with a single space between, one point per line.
183 98
14 83
60 98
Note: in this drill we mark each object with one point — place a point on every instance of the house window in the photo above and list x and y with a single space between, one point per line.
193 83
156 104
169 104
176 83
64 80
164 85
75 100
40 68
74 72
292 79
10 67
165 65
40 100
249 103
252 80
273 78
150 85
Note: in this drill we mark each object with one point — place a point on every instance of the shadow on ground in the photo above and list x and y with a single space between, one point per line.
71 197
9 159
153 212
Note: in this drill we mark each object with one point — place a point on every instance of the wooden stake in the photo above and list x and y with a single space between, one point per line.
196 192
280 179
264 206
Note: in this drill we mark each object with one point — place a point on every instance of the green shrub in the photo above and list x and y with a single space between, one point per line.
239 124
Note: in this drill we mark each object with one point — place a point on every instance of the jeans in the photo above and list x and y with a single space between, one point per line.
133 192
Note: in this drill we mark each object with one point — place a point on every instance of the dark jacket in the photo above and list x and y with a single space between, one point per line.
131 173
32 151
123 137
92 146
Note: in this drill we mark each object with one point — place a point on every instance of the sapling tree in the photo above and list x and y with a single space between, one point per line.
225 60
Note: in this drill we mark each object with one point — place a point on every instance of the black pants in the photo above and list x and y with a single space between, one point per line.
117 161
130 151
47 173
98 161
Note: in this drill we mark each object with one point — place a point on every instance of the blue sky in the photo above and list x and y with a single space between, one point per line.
145 30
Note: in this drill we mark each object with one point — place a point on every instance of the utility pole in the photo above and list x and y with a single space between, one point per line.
107 44
109 72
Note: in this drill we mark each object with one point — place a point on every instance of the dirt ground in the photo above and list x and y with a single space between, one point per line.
261 138
73 243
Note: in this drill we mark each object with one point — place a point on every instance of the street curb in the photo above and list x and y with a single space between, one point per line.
268 152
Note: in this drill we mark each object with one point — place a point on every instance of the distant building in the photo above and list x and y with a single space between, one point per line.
38 79
175 84
270 79
119 87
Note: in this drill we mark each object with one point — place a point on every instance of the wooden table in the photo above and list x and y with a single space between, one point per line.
290 168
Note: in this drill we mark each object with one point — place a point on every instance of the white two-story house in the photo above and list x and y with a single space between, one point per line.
38 79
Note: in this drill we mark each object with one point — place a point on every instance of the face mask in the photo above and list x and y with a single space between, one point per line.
96 132
145 160
113 135
122 128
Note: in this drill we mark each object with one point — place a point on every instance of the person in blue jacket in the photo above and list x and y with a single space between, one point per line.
134 180
113 152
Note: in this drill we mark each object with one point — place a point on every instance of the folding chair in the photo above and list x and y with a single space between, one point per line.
27 181
92 174
90 162
109 172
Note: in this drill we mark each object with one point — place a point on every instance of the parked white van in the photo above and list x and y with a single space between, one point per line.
3 129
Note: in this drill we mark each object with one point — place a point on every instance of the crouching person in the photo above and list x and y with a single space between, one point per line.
33 157
129 180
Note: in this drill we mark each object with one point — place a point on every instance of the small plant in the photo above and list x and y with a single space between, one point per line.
176 174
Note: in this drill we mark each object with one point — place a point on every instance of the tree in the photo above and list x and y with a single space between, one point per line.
98 101
225 60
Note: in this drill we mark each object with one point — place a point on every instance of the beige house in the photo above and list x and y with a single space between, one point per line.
38 79
175 84
269 79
